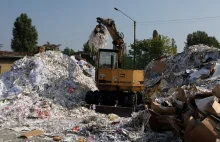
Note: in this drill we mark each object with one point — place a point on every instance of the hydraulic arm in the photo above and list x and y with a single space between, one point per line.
117 37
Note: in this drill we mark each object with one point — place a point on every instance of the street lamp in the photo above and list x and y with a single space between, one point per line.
134 32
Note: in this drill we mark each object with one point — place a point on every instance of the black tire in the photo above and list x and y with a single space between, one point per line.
95 97
132 100
88 97
139 98
103 98
125 101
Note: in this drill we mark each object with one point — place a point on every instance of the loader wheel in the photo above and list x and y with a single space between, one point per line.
132 100
126 101
88 98
139 98
95 97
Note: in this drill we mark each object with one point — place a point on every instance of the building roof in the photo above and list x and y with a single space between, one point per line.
9 54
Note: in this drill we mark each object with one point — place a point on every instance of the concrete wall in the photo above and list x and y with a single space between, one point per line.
6 63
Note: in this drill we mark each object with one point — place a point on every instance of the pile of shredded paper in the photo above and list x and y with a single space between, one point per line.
45 92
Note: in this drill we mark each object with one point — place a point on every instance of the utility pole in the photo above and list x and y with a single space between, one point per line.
134 44
134 34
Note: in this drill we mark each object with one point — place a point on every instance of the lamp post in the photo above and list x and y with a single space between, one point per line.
134 32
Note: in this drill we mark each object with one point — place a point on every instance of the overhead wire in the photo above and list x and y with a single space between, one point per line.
179 20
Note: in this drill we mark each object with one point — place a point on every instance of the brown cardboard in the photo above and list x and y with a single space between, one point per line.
159 67
33 133
186 118
204 104
174 123
190 125
209 105
56 138
181 95
216 91
206 131
163 110
156 124
214 109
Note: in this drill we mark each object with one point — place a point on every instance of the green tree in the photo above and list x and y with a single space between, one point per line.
127 62
68 51
54 47
25 35
149 49
87 48
213 42
201 37
155 34
173 42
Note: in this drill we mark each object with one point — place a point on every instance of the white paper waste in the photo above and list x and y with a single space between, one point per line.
98 40
48 75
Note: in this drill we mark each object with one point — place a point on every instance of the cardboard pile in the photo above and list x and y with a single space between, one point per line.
183 92
195 118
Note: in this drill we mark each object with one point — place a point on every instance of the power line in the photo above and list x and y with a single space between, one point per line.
174 22
179 20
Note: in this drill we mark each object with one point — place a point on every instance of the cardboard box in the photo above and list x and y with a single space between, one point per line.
156 124
216 91
214 109
163 110
181 95
33 133
206 131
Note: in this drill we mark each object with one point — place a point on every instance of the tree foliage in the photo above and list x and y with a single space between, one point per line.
25 35
54 47
201 37
68 51
87 48
127 61
149 49
155 34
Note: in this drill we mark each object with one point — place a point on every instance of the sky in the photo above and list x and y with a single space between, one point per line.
70 22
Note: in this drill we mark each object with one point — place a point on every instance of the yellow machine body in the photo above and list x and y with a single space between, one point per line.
120 80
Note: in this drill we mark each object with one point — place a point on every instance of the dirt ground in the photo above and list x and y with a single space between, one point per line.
7 135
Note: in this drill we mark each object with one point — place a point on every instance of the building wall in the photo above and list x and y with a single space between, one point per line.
6 63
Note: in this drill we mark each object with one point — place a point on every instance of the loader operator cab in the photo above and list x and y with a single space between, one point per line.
108 58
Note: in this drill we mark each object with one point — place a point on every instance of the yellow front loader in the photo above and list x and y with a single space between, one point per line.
119 89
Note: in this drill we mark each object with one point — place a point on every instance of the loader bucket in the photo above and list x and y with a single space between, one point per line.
120 111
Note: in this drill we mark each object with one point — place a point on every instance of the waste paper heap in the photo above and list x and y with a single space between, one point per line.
88 69
183 93
42 95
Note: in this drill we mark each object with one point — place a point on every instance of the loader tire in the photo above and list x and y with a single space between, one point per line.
132 100
95 97
126 101
88 97
139 98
